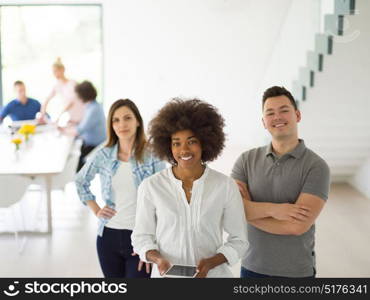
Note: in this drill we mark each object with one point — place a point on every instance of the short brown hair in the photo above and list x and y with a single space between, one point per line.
140 139
86 91
18 82
276 91
198 116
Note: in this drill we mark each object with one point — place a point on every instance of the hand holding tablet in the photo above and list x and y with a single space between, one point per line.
163 265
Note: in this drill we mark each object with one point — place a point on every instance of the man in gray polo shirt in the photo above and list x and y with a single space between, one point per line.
284 187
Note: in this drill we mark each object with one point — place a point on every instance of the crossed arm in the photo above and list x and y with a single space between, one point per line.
284 218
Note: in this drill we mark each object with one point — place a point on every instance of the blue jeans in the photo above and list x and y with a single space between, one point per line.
114 252
245 273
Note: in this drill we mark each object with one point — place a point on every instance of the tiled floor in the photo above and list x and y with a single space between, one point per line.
342 239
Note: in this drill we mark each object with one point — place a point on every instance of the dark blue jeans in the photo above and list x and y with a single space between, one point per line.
114 251
245 273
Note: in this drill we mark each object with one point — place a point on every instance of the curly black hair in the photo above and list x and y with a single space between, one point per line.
198 116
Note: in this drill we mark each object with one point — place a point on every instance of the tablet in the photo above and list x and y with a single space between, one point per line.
177 271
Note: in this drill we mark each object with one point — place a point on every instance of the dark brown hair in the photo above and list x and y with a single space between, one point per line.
198 116
86 91
276 91
140 139
18 82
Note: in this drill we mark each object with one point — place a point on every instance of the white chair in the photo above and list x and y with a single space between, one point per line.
59 181
67 175
13 188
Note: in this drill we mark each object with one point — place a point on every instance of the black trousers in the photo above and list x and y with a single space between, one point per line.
85 150
114 251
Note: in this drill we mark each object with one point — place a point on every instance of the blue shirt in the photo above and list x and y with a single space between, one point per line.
18 111
105 163
92 129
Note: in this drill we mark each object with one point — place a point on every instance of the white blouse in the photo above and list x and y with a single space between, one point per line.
185 233
66 91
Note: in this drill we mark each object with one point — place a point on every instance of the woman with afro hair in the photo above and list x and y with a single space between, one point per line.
183 210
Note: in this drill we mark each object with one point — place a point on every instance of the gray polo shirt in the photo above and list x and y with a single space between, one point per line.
281 180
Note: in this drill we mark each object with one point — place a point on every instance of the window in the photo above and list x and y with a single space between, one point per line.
33 36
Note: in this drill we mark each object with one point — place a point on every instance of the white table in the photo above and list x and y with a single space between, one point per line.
45 154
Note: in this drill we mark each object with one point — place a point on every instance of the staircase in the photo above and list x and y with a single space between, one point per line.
332 90
333 26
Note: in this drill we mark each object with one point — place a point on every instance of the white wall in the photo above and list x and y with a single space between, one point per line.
296 37
211 49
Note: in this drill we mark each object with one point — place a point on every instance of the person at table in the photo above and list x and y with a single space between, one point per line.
64 88
183 210
22 107
92 128
122 165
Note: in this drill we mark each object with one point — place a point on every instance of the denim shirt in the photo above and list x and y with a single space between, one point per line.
105 163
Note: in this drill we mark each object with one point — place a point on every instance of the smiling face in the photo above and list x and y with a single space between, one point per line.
280 118
124 123
186 149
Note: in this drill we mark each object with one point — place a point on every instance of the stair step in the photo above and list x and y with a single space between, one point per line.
306 76
298 91
344 7
323 43
315 61
334 24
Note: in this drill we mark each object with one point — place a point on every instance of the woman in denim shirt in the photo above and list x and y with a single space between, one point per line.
122 164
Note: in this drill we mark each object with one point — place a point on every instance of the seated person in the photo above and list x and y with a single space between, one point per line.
91 128
21 108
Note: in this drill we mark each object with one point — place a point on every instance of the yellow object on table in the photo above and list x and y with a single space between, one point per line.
26 130
17 142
